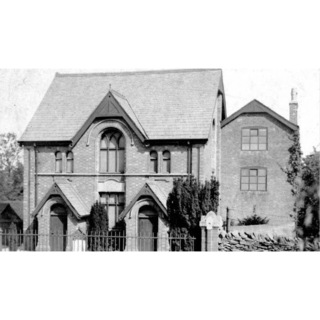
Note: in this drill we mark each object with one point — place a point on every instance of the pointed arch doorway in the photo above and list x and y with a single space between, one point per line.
148 229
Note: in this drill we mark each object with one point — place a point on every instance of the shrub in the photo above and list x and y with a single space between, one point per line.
252 220
98 219
98 227
187 202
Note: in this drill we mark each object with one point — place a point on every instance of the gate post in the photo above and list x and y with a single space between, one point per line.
212 222
0 239
212 239
203 233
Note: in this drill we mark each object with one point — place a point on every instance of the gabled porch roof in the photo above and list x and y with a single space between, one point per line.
151 190
70 197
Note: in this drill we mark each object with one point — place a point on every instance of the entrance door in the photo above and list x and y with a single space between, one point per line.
58 229
148 229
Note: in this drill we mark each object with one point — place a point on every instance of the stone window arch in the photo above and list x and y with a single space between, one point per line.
112 152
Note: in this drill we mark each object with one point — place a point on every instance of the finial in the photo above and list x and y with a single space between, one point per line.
109 86
294 95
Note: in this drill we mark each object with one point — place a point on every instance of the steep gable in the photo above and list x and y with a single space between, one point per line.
151 190
113 105
256 107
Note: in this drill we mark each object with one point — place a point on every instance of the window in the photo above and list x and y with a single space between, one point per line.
112 146
189 160
254 139
153 162
253 179
58 162
166 162
69 162
114 203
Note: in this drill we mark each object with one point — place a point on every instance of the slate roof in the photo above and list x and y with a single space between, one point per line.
174 104
159 192
69 195
256 106
16 206
74 198
3 206
124 103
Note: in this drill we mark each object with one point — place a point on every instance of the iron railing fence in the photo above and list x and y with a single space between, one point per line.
111 241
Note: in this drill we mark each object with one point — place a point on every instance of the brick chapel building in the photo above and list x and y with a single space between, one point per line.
121 138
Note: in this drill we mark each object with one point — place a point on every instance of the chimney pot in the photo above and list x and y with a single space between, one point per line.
294 106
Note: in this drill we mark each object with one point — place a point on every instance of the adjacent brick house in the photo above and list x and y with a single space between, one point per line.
255 143
120 138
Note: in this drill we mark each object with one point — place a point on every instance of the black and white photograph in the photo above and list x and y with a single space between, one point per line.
159 159
155 161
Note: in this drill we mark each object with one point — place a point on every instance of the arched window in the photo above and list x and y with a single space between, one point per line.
58 162
112 146
166 162
154 162
70 162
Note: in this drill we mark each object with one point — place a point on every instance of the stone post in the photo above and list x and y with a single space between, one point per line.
203 233
212 222
0 239
212 240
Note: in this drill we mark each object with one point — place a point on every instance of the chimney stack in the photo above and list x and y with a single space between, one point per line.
294 106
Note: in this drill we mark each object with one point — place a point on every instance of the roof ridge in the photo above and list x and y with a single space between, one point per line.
126 73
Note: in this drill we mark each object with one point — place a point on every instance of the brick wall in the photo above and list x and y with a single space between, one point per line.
86 167
276 203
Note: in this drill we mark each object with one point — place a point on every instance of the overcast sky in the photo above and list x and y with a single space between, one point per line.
22 90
